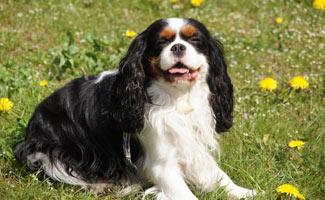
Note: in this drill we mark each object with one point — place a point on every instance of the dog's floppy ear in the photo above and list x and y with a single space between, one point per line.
128 92
221 99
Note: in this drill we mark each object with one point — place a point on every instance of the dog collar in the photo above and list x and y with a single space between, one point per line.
127 148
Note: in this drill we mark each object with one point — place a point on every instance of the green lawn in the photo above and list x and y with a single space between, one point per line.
58 40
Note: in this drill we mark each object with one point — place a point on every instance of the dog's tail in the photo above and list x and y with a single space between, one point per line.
36 160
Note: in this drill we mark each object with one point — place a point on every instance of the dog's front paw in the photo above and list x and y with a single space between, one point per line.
163 196
240 192
155 191
160 195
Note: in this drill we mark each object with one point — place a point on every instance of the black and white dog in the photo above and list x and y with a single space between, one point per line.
155 119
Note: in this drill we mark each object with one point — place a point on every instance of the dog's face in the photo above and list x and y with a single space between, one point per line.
177 50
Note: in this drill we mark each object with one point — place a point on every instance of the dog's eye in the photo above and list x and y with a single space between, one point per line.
195 39
161 42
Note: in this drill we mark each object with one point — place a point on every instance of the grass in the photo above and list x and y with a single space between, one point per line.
58 40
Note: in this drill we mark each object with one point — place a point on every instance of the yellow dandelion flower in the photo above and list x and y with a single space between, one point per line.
173 1
279 20
130 33
43 83
5 105
296 143
299 82
196 2
289 190
319 4
268 84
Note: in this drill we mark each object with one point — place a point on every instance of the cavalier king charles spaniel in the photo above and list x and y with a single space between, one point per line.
153 120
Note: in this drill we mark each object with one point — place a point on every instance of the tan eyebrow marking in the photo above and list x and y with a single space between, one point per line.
167 33
188 30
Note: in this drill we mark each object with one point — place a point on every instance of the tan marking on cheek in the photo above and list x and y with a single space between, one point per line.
154 67
189 30
167 33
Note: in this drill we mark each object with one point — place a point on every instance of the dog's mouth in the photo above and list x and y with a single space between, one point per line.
180 71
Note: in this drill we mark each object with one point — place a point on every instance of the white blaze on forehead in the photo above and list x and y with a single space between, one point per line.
176 24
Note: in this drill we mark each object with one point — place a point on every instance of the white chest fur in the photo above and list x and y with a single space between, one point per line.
179 129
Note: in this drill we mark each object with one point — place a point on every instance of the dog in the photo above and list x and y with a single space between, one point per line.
153 120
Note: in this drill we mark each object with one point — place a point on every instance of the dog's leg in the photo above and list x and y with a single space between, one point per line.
169 181
231 188
208 175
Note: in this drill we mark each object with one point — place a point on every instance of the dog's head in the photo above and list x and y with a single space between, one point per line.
180 52
177 50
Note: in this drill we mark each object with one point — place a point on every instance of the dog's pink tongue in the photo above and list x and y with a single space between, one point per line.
195 74
178 70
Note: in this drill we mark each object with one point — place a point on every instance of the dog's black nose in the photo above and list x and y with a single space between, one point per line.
178 49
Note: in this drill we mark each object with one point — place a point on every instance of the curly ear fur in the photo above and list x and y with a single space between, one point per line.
128 90
221 99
